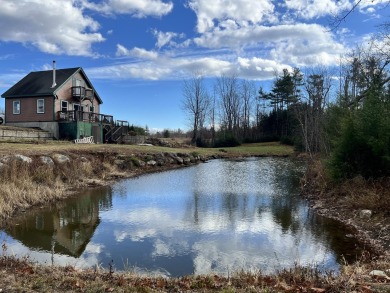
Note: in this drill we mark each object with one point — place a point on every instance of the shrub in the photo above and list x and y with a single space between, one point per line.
228 141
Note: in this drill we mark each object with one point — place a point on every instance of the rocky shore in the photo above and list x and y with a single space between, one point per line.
36 178
60 174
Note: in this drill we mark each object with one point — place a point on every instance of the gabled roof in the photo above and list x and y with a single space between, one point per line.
39 83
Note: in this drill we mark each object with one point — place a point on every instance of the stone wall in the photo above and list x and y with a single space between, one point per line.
14 134
51 127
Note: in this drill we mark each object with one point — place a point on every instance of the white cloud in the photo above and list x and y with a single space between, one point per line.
135 52
55 27
137 8
295 44
165 38
309 9
209 13
171 68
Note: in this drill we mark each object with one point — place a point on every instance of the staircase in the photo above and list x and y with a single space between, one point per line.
114 133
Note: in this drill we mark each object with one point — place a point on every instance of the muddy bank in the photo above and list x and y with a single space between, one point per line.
363 206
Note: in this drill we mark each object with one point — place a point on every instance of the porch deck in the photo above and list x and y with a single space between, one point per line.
81 116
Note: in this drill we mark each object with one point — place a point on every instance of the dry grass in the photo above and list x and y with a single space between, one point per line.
36 183
21 275
257 149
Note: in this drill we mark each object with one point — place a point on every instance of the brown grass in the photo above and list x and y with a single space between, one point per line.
21 275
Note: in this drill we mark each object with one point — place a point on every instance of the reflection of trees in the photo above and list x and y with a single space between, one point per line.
280 198
70 224
285 209
285 202
233 205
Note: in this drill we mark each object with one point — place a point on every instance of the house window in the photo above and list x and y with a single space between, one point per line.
77 107
40 106
64 106
16 107
92 109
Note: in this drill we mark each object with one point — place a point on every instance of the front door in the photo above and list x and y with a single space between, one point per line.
78 115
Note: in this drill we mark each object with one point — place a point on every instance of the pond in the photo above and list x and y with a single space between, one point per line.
218 217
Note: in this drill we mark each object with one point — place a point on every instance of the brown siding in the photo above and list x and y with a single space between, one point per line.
65 94
28 110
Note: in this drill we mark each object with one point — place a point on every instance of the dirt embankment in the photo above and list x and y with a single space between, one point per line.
362 205
36 179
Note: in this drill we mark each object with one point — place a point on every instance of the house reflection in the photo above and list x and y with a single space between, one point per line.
64 228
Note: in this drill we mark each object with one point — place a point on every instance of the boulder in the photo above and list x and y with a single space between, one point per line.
179 160
23 158
365 214
61 159
151 163
377 274
119 162
47 160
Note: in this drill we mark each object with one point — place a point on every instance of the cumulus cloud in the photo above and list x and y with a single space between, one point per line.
166 38
309 9
171 68
137 8
210 13
55 27
135 52
298 44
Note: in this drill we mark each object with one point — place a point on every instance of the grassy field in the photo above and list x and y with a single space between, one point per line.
255 149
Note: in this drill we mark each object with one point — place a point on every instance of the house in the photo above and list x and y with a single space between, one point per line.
63 102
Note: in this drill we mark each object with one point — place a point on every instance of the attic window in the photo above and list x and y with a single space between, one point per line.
40 106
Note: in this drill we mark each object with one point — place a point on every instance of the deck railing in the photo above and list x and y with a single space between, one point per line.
82 116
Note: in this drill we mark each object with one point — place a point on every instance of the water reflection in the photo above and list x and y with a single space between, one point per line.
217 217
65 228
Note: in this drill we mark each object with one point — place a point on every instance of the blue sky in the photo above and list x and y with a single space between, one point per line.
137 52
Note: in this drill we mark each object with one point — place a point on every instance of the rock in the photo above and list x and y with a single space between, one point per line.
61 158
187 161
119 162
365 214
47 160
23 158
377 274
179 160
151 163
83 159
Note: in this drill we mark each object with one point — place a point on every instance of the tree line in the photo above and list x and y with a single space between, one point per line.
344 115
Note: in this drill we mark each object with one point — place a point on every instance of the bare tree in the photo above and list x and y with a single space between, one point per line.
310 108
227 89
338 19
248 93
317 88
195 104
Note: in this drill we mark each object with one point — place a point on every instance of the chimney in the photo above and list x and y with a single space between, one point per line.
54 74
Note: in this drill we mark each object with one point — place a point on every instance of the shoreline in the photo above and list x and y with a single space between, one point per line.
114 165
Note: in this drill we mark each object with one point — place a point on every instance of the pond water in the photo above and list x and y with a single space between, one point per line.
218 217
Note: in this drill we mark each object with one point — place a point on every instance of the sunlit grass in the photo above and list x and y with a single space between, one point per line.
255 149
